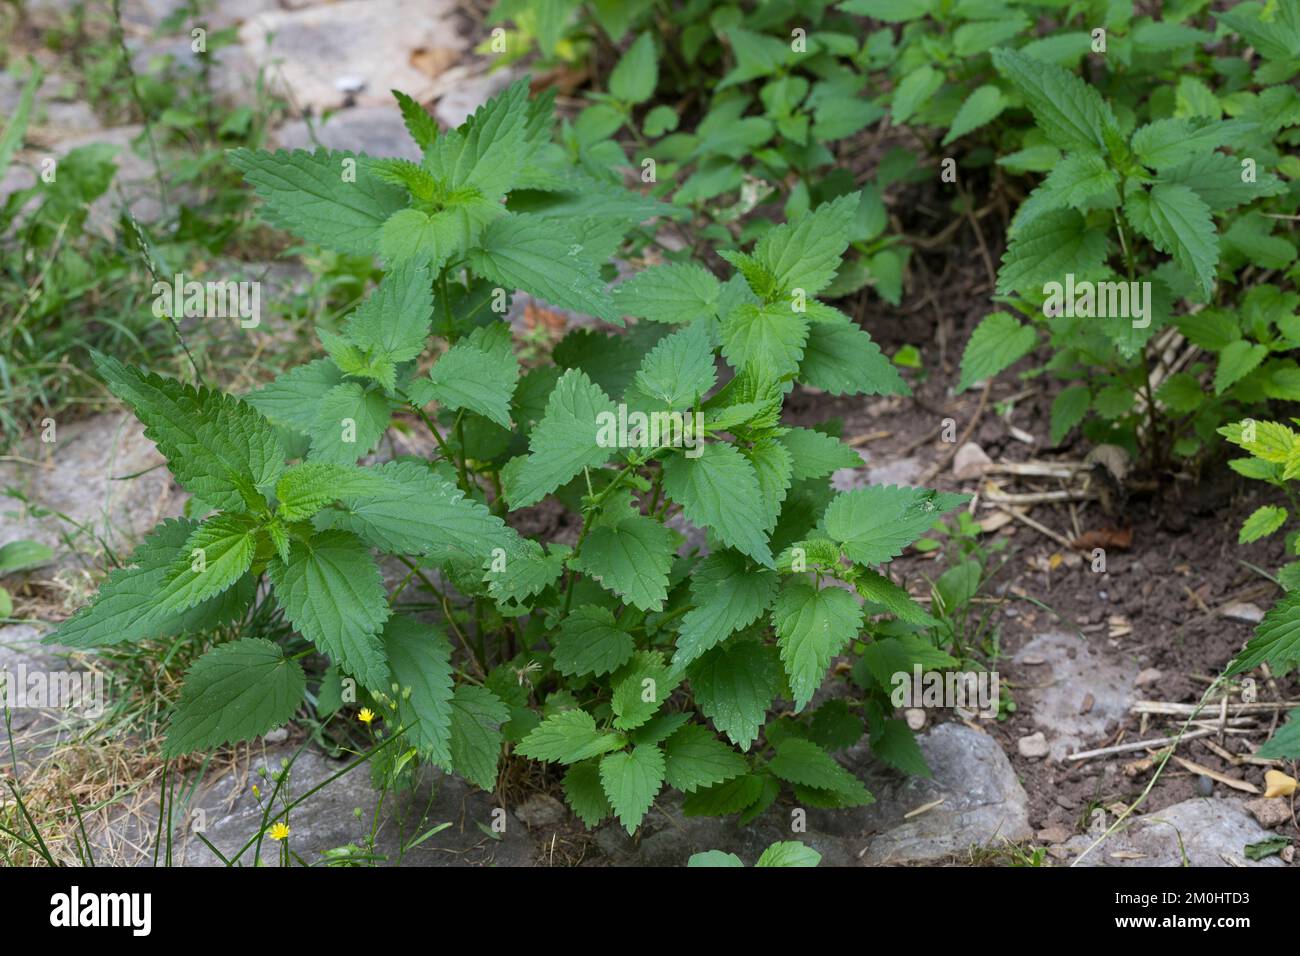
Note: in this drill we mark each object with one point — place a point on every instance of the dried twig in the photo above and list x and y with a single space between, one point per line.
1140 745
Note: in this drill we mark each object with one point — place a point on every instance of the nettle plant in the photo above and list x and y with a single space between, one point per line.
766 99
621 656
1141 226
1274 457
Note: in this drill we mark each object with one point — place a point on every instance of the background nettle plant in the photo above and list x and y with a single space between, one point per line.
627 657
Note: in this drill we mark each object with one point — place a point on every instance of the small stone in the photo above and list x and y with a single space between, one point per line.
540 810
971 461
1269 812
1243 611
277 736
1033 746
1204 785
915 717
1055 833
1151 675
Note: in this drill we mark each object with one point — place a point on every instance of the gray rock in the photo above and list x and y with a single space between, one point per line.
327 821
983 802
473 88
373 40
375 130
1071 670
970 462
899 471
1198 832
1032 745
83 475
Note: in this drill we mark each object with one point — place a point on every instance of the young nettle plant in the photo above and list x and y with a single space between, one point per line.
621 656
1274 457
1135 219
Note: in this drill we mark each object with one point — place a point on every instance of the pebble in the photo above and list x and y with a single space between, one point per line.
1243 611
915 717
970 462
1033 746
1269 812
1151 675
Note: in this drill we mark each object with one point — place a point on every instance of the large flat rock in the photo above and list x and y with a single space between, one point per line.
1203 831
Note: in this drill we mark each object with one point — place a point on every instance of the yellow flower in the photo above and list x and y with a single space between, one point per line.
1279 784
257 794
366 715
278 831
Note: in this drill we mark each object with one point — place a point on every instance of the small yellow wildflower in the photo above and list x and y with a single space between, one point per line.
366 715
1279 784
278 831
257 794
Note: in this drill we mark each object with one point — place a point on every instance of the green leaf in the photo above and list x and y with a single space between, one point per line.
834 726
886 657
719 490
1068 409
789 853
1078 181
1068 110
917 88
1171 142
769 337
841 358
564 442
1263 522
890 11
1179 224
714 858
1285 744
293 400
679 370
1048 247
812 626
734 685
806 254
631 559
16 126
567 737
728 594
420 513
469 377
235 692
981 107
876 523
419 657
476 718
218 447
997 343
305 489
631 779
486 153
639 689
590 642
878 589
676 293
896 745
586 797
21 555
393 322
309 195
349 422
1237 360
1277 638
332 593
635 75
694 758
422 127
125 609
544 258
217 554
816 455
803 762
